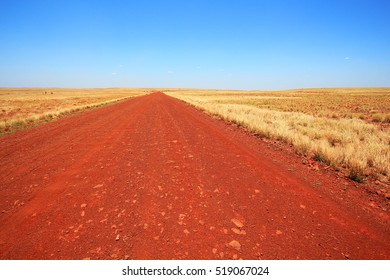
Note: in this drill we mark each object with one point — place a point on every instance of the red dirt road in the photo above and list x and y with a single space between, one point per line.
154 178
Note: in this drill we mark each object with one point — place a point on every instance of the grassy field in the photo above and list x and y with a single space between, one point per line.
344 128
23 107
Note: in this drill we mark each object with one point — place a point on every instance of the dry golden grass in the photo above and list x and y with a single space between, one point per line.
23 107
344 128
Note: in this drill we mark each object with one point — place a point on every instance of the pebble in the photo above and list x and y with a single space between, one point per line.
237 222
235 244
238 231
117 237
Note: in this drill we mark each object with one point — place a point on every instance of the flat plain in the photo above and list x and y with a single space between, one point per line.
343 128
152 177
24 107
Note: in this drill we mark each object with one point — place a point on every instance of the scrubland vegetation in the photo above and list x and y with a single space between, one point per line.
344 128
20 108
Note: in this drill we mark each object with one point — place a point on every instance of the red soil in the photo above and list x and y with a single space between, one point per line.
154 178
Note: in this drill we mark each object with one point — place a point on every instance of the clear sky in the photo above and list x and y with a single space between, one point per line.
243 44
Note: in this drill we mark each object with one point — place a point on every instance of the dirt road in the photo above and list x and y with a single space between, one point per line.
154 178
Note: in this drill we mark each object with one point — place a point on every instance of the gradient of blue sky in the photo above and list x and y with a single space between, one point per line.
243 44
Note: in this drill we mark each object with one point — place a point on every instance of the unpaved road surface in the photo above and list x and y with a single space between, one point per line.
154 178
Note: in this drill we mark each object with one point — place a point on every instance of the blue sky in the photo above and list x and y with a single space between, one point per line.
243 44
